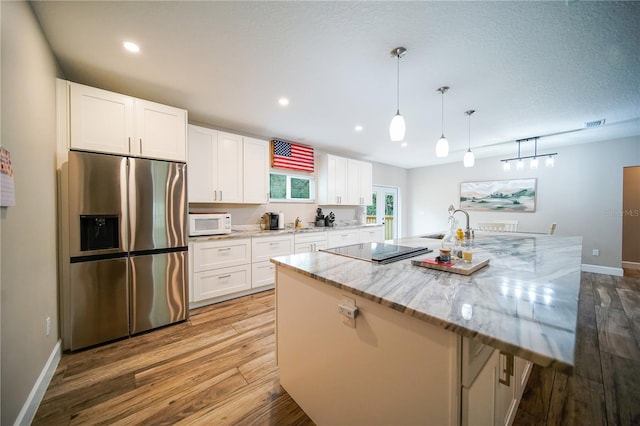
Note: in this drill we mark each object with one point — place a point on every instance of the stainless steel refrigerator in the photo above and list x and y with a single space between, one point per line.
127 265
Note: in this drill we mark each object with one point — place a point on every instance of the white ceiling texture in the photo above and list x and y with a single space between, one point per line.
527 68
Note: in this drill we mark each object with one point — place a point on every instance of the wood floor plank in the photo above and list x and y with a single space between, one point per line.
537 395
614 333
622 381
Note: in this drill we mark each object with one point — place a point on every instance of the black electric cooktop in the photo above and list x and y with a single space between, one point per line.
378 252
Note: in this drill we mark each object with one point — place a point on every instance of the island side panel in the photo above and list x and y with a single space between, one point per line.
389 369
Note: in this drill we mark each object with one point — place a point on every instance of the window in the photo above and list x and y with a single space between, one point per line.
291 187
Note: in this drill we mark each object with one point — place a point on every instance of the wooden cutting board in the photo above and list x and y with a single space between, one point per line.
458 268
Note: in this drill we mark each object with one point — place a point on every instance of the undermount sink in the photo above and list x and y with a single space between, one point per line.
433 236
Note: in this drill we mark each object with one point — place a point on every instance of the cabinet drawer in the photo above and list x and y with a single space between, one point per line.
309 247
310 237
342 238
220 282
220 254
370 235
263 274
267 247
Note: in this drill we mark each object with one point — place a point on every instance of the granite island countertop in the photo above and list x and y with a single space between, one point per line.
524 303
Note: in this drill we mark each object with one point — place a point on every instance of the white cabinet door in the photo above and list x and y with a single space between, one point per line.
359 183
256 171
263 274
371 235
228 165
263 249
208 255
365 184
99 120
220 282
332 180
479 400
215 166
160 131
203 144
342 238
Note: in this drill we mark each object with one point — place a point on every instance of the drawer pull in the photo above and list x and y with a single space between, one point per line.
274 244
224 249
224 276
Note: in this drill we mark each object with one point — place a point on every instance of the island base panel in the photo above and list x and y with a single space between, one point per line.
389 369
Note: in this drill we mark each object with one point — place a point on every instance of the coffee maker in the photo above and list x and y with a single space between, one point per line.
270 220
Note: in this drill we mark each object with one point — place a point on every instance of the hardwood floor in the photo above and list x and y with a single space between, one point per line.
219 368
216 368
605 386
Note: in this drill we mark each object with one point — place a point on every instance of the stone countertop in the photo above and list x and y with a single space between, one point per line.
252 233
524 303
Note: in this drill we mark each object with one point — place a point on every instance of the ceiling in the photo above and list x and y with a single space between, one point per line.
527 68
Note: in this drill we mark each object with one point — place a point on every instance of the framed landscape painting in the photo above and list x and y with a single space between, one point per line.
516 195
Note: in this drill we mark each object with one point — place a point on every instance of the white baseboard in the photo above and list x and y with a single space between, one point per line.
28 412
606 270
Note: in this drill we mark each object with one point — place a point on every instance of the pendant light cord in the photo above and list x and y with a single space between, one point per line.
442 113
469 132
398 88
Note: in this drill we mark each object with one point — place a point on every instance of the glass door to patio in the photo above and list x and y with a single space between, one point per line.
384 210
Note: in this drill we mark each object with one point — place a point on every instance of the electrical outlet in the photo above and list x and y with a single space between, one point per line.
48 326
348 311
596 252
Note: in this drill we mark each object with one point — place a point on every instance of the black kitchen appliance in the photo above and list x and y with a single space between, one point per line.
378 252
271 220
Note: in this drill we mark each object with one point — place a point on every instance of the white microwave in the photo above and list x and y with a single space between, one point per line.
209 224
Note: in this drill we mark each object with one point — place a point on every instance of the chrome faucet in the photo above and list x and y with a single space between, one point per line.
452 210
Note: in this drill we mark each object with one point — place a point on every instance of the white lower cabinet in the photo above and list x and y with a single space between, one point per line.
493 395
220 282
219 268
341 238
308 242
371 235
263 249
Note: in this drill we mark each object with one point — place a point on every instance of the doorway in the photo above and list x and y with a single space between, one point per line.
384 210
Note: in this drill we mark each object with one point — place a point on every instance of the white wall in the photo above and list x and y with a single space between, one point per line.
28 237
582 194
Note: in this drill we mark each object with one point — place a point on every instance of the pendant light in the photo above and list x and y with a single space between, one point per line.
442 146
397 127
469 158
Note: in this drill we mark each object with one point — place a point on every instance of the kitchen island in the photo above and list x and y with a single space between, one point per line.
428 347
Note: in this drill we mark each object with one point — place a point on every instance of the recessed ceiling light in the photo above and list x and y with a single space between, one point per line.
283 101
131 46
358 128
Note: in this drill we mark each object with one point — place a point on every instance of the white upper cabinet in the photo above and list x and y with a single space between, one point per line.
256 171
104 121
359 182
160 131
203 146
100 121
344 181
332 180
215 166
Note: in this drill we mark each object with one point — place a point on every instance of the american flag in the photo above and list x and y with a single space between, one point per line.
287 155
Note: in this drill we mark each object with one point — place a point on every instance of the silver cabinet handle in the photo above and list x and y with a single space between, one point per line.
215 195
508 370
129 143
224 249
224 276
274 244
140 146
220 195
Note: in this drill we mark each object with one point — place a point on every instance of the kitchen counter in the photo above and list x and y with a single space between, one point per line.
252 233
524 303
